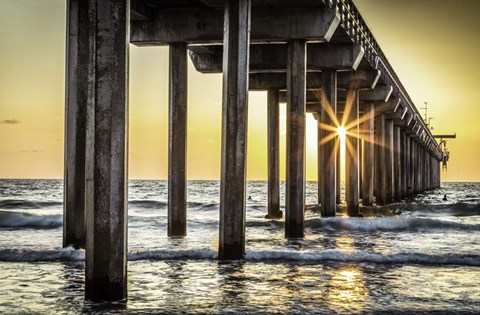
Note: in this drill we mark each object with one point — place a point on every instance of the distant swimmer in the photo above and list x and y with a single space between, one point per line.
249 197
444 198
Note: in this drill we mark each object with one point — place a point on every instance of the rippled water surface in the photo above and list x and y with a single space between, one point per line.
416 257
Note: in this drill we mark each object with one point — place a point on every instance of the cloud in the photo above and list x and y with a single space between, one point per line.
9 121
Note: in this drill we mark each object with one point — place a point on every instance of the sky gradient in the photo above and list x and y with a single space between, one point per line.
432 44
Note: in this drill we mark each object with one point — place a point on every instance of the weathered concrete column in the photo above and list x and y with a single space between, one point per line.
338 175
177 140
106 175
234 129
296 107
380 175
414 167
352 155
389 161
409 166
397 187
327 149
77 95
418 169
368 156
404 165
273 155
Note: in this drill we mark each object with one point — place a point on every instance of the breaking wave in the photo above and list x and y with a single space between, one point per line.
394 224
26 220
27 204
69 254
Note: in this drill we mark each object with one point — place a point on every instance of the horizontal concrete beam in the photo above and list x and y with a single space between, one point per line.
273 57
361 79
265 81
205 25
381 93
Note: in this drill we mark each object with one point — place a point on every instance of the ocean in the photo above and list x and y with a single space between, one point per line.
415 257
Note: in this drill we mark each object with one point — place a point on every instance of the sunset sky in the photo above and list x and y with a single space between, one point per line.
432 44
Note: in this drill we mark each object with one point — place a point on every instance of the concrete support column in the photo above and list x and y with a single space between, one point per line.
327 144
351 155
177 140
397 187
439 171
236 40
368 156
389 161
296 108
418 169
403 161
77 96
106 175
408 153
413 163
380 175
273 113
338 175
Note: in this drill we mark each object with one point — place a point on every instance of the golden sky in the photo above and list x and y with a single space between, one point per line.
432 44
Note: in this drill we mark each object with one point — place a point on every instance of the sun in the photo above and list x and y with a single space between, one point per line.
341 131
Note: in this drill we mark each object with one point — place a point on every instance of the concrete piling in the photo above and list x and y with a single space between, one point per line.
327 145
352 154
273 120
106 197
389 152
397 164
234 129
380 163
296 108
369 156
177 140
77 95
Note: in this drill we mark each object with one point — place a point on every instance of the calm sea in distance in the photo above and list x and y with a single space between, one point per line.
417 257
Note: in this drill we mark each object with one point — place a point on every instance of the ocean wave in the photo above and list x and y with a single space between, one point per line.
24 255
389 224
28 204
364 257
69 254
26 220
187 254
456 209
147 204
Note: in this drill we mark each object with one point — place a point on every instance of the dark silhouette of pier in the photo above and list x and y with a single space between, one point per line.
318 56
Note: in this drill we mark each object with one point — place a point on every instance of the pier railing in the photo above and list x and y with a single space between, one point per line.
358 30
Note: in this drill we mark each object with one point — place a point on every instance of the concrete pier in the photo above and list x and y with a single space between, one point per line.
296 109
106 178
177 140
327 145
352 154
273 117
234 129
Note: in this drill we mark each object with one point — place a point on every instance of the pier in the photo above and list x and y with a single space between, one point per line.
319 57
